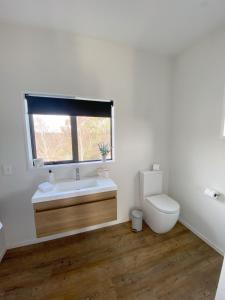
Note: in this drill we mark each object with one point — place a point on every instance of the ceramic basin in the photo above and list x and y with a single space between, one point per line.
71 188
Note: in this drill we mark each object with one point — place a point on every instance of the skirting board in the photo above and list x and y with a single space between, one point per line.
201 236
2 254
65 234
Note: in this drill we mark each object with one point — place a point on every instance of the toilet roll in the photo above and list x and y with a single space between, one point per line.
211 193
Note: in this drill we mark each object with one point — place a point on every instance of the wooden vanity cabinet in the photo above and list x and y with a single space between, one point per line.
61 215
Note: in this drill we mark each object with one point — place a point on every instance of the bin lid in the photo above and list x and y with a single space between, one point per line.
137 213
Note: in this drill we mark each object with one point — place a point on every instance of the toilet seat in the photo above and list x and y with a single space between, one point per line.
163 203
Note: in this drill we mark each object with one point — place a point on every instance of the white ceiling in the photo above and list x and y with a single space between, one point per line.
167 26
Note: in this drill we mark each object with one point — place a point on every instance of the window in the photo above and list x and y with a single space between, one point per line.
68 130
52 138
90 131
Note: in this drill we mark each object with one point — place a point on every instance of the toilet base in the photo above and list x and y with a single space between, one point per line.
158 221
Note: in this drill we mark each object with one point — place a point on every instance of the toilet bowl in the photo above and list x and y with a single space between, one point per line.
160 211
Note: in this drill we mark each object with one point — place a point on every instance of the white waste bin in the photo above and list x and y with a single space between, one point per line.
136 217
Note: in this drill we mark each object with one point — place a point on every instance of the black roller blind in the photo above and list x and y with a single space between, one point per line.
64 106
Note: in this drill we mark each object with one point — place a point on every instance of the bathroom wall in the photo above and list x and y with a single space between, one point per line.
220 294
58 62
197 150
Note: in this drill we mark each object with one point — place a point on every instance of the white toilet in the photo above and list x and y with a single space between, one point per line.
160 211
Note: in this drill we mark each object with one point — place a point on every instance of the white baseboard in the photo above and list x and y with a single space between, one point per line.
65 234
201 236
2 254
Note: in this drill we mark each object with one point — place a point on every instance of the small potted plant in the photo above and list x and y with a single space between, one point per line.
104 150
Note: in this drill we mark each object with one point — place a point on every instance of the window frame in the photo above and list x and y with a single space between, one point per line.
222 126
32 142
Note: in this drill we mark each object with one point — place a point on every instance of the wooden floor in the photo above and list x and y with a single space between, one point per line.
113 263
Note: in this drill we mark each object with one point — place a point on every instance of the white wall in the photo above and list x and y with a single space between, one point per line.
197 151
220 294
58 62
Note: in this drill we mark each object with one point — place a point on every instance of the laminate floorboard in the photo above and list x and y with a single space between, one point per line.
113 263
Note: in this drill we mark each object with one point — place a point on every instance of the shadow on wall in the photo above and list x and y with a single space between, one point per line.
151 111
17 217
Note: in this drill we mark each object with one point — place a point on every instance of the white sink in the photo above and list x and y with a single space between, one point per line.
71 188
75 185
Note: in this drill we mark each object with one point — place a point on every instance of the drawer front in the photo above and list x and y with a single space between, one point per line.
73 201
73 217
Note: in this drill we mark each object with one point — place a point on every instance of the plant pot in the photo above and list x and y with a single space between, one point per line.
104 158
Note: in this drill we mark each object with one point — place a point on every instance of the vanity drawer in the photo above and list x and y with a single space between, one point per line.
48 205
57 220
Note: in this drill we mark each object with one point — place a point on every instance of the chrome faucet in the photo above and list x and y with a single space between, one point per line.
77 177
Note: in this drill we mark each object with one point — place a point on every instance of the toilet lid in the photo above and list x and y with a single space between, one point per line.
163 203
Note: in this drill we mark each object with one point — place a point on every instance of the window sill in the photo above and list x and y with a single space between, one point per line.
87 163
